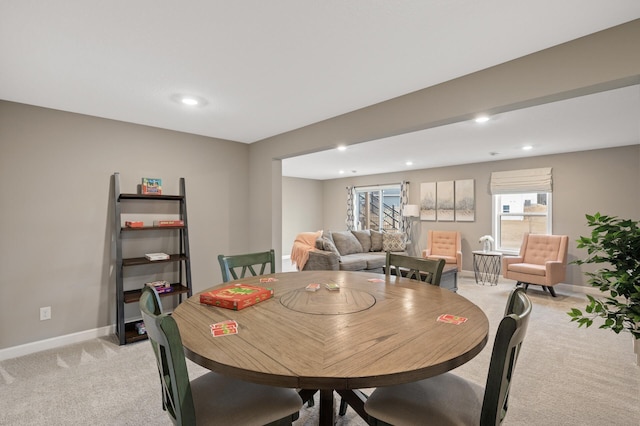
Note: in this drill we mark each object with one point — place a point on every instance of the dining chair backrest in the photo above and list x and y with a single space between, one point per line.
427 270
506 349
164 336
247 262
152 303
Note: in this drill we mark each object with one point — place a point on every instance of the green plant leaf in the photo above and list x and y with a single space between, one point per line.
614 244
575 312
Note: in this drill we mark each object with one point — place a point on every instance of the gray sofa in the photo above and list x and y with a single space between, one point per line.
354 250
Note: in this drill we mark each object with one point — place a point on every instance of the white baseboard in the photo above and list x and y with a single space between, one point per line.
55 342
579 289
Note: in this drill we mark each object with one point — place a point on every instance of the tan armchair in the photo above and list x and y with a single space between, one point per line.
542 261
444 245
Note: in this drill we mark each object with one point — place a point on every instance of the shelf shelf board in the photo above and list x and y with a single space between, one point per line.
150 197
133 261
132 296
151 228
131 334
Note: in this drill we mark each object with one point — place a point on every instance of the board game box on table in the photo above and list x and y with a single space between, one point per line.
236 296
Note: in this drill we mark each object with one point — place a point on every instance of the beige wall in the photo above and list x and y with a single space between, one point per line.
302 209
56 213
583 182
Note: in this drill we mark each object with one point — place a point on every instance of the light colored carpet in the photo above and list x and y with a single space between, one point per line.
565 375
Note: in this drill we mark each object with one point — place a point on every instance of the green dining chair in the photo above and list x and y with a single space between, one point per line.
206 399
449 399
229 265
417 268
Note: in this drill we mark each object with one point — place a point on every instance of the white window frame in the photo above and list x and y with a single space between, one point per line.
356 210
497 214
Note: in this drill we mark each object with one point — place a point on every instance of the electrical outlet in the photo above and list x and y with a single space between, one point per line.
45 313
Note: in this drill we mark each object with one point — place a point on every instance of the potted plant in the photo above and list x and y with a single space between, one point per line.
614 243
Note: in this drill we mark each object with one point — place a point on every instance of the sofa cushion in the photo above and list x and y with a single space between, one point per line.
353 262
376 240
376 260
364 237
447 259
346 243
393 241
528 268
328 244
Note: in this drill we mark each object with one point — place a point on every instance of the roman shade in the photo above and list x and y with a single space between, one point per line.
520 181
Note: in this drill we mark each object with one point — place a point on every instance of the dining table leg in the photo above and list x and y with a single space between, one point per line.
327 414
307 395
355 399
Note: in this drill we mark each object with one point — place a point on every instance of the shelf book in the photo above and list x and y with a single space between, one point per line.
161 286
152 186
168 223
236 296
156 256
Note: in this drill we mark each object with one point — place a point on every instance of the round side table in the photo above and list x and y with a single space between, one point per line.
487 266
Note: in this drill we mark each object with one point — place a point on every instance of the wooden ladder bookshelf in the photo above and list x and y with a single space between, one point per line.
126 328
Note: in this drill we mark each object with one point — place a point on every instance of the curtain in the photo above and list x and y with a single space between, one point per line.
404 200
521 181
350 217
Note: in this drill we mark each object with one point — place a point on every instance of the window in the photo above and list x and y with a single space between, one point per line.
515 214
521 203
378 207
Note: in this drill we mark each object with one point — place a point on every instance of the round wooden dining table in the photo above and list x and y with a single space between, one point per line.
373 331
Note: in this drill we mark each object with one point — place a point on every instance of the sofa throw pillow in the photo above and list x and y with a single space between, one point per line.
328 245
376 240
393 241
364 237
346 243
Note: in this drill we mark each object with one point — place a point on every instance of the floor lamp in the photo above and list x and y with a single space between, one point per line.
410 211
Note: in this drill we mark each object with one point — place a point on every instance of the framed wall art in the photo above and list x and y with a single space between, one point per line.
428 201
465 200
445 207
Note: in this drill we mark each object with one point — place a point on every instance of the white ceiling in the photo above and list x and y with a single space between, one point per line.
602 120
266 67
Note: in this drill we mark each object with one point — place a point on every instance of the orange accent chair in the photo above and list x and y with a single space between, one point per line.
444 245
542 261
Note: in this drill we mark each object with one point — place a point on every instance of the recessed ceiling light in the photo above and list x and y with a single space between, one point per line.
341 172
527 147
342 148
482 119
409 163
189 100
